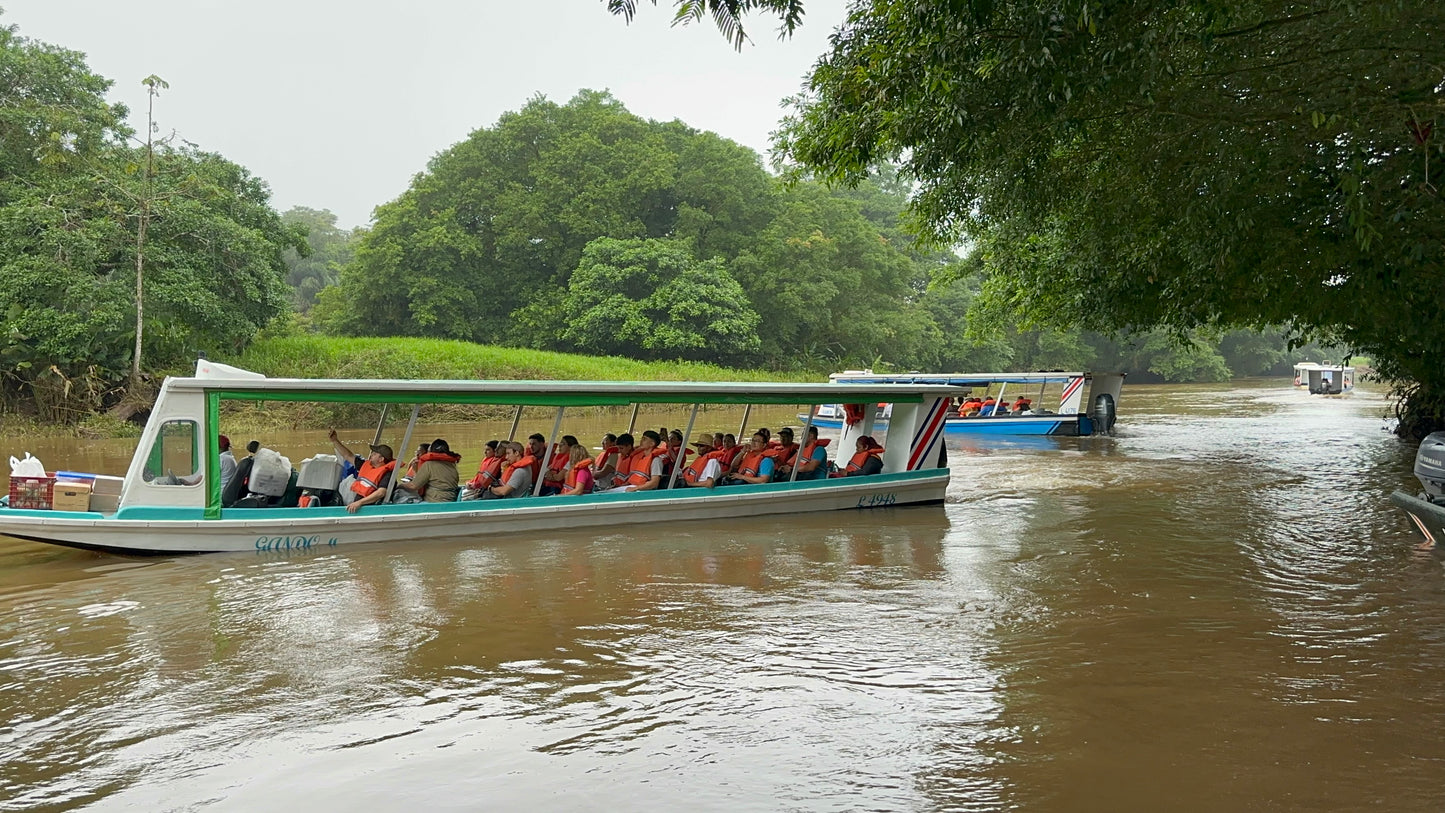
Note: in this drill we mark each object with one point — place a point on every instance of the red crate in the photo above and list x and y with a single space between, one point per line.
35 493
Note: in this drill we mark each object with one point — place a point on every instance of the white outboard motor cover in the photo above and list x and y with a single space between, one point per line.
1430 465
320 473
270 474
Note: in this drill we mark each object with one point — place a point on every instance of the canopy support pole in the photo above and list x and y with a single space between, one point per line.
803 442
380 425
632 422
516 419
556 427
405 444
742 427
682 452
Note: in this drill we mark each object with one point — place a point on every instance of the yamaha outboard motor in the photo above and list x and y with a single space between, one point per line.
1103 413
1430 466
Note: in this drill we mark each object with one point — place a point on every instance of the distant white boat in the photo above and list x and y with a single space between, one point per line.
1324 379
1058 403
166 514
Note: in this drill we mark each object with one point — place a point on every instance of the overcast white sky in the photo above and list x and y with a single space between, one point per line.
337 104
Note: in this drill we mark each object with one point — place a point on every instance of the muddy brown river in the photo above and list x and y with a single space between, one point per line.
1215 610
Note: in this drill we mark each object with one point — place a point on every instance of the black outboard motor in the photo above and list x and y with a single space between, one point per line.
1103 413
1430 466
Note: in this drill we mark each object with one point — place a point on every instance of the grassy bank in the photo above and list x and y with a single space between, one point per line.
331 357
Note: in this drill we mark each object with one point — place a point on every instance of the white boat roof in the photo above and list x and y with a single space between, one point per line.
959 379
1310 365
237 384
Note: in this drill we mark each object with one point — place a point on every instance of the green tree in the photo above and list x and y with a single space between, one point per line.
498 222
1177 163
651 299
319 264
831 288
71 260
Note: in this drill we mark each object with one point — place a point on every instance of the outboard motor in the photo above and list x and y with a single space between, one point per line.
1103 413
1430 466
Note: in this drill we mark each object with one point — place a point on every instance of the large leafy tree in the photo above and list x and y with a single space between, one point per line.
498 222
70 202
1175 163
652 299
830 286
1183 163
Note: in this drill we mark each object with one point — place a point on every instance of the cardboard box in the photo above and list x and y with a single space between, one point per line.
107 485
104 503
33 493
71 497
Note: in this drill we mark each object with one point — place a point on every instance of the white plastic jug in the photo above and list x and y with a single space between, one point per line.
270 474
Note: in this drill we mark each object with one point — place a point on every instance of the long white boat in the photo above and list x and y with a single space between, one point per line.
161 515
1324 379
1061 403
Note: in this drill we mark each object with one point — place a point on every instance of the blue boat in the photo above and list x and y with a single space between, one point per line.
1055 402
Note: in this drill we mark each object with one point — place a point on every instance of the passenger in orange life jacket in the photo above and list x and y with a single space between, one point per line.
604 465
675 448
754 466
373 474
708 466
436 478
516 473
782 452
537 450
867 460
812 462
578 480
622 450
555 473
1021 405
645 465
734 453
489 473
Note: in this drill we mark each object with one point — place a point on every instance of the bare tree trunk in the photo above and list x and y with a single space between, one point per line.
153 85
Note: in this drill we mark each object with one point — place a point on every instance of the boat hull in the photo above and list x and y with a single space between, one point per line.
1003 425
1427 517
173 531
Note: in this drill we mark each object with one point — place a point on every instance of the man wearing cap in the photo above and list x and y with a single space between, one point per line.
372 474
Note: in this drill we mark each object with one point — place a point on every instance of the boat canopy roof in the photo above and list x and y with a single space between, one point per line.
957 379
232 383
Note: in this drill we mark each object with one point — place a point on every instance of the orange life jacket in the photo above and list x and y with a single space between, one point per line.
487 474
559 461
624 462
811 447
856 464
639 466
585 463
694 470
527 461
368 478
782 455
752 462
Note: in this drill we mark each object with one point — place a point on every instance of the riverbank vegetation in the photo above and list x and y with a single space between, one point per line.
567 240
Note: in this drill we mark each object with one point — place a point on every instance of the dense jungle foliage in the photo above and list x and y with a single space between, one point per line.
73 184
569 227
1142 164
